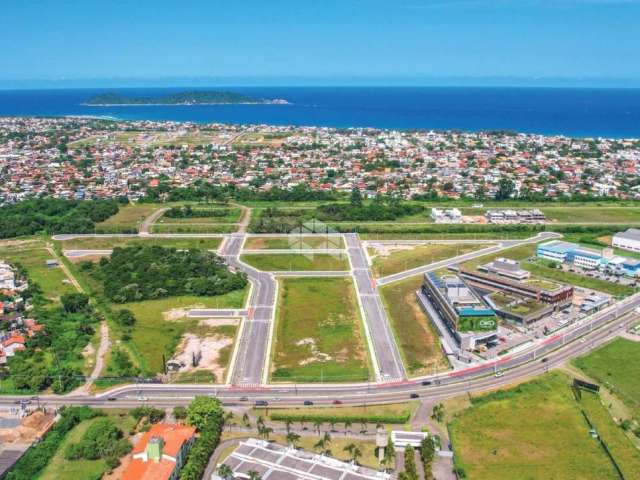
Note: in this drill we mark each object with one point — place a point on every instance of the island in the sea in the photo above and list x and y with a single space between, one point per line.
182 98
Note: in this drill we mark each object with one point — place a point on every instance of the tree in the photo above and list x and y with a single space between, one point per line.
389 453
180 413
225 472
265 431
506 187
347 426
293 439
410 463
228 417
74 302
203 411
427 454
356 197
125 318
253 475
438 413
317 424
354 452
287 425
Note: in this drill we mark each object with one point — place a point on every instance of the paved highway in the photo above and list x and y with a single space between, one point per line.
556 350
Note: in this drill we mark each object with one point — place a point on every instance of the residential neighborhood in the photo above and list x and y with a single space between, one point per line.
86 158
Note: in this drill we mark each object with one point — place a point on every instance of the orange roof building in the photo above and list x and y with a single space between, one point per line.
160 453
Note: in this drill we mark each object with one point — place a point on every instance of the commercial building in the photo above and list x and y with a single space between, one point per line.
539 290
160 453
402 439
446 215
627 240
507 268
588 258
534 215
276 462
470 320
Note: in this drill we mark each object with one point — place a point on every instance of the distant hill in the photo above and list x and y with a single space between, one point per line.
182 98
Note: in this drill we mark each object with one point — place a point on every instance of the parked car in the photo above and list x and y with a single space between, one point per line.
414 395
308 402
261 403
426 382
337 402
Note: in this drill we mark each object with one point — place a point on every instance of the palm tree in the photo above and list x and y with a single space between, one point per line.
293 439
347 427
227 419
319 445
317 424
287 425
356 454
327 438
253 475
225 472
265 431
245 420
260 420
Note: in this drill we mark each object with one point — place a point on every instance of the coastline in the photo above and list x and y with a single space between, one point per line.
186 104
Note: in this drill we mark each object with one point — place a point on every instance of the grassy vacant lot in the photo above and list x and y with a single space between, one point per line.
400 260
232 216
293 242
319 333
488 235
130 216
520 252
193 228
154 335
535 430
33 257
419 343
60 468
616 365
592 214
623 450
296 262
105 243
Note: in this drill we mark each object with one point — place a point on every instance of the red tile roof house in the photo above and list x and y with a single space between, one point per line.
160 453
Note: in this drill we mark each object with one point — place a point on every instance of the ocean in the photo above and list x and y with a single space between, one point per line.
577 112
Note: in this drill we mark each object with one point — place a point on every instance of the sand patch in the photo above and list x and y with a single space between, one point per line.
384 250
207 348
179 313
316 355
219 322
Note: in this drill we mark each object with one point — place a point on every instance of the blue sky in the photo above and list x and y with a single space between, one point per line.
320 41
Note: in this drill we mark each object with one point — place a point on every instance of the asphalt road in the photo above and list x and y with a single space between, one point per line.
385 350
252 350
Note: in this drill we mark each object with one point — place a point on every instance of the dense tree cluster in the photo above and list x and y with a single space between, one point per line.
206 414
378 210
145 272
54 215
102 440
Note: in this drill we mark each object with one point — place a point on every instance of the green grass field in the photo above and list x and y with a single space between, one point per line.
400 260
319 333
616 366
193 228
297 262
533 431
105 243
61 469
153 335
33 257
592 214
419 343
293 242
131 215
233 216
625 453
